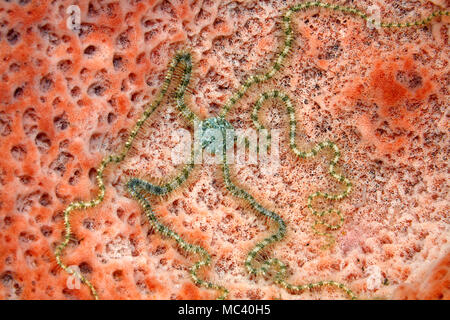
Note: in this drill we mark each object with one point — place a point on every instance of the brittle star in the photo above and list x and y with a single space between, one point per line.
181 68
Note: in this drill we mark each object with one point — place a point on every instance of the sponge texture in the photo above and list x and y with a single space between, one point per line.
68 98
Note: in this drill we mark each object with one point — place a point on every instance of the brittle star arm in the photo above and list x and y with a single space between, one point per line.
140 189
168 187
185 73
275 94
172 72
276 237
289 37
136 189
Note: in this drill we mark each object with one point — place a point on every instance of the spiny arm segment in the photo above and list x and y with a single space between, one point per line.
268 264
242 194
172 72
289 38
166 188
275 94
186 112
138 188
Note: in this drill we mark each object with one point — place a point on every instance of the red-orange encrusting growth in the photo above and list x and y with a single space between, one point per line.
434 286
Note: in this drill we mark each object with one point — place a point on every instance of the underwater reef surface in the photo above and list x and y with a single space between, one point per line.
70 96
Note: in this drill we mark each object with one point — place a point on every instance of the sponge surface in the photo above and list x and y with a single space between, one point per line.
69 97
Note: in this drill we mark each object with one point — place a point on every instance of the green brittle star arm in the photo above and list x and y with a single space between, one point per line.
184 58
275 94
149 108
276 237
289 38
184 74
138 188
168 187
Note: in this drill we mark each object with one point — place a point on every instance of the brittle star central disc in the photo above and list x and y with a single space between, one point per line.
215 134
